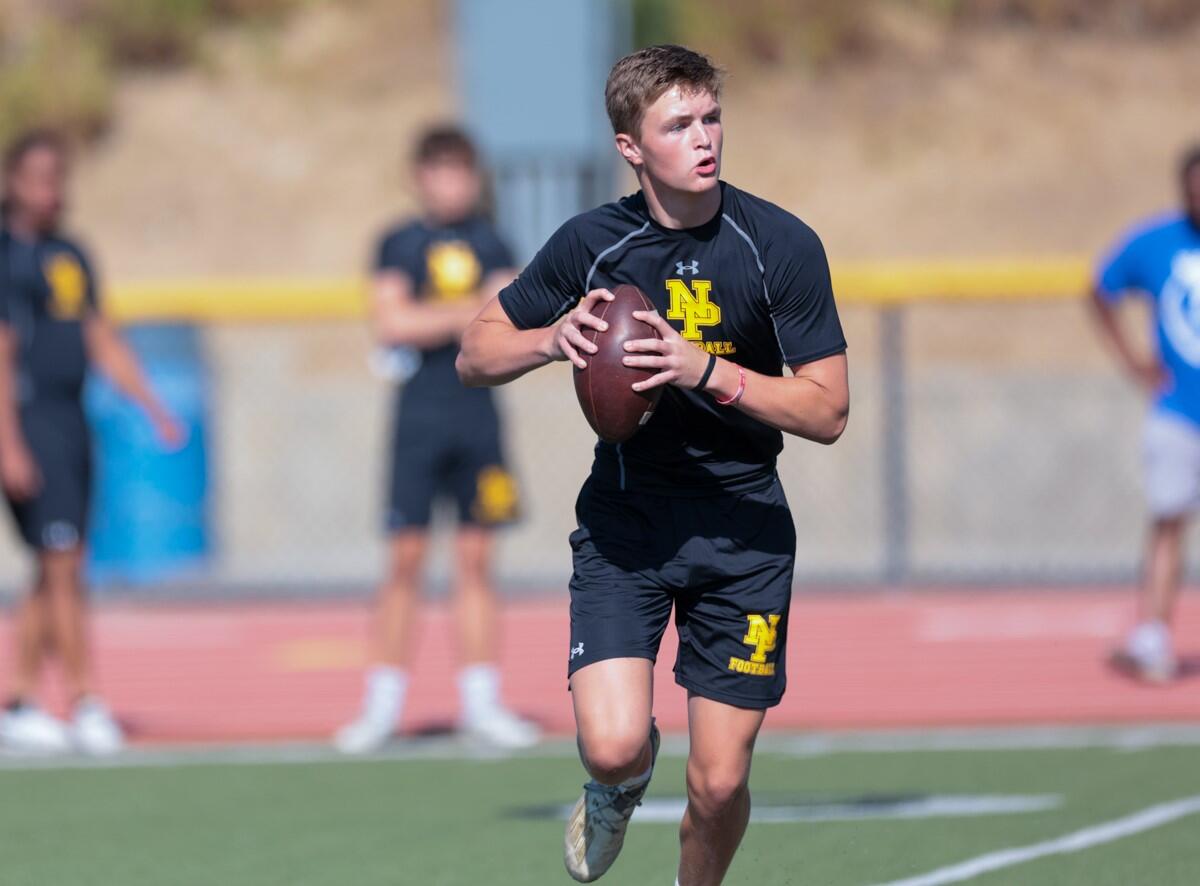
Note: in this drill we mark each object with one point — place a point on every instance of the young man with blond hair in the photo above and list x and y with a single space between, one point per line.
689 514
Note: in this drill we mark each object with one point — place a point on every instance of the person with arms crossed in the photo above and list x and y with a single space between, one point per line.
51 331
432 275
689 513
1160 260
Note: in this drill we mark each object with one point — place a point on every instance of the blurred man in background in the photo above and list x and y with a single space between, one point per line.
432 275
51 331
1160 260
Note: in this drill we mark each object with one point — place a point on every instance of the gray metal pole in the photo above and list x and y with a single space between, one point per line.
896 566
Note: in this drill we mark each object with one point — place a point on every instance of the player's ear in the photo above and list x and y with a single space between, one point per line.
629 149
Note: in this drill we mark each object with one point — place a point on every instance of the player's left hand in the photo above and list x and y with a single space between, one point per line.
679 361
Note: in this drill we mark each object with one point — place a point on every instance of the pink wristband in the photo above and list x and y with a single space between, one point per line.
737 395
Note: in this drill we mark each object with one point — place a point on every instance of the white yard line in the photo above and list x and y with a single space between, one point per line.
1096 835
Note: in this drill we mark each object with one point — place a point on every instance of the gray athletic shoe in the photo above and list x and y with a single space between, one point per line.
596 827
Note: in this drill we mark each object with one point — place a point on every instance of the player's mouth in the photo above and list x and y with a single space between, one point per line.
707 166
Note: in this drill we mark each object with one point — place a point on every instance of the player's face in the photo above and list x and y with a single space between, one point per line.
38 186
1191 194
448 189
679 145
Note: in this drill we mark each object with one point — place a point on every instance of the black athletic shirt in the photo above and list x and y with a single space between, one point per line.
751 285
47 290
445 263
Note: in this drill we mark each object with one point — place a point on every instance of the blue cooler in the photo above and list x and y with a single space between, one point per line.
150 509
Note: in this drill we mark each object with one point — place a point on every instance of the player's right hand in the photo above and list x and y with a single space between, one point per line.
19 473
569 343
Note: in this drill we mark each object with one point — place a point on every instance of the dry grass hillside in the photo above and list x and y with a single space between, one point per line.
282 151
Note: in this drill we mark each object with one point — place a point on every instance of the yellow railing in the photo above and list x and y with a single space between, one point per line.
880 284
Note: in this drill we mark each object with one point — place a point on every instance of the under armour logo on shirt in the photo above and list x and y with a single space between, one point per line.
692 268
577 650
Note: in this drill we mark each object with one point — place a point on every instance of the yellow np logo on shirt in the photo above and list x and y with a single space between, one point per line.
692 304
762 635
68 286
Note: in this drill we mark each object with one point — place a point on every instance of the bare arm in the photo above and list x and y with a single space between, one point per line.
814 403
399 319
1146 371
18 471
109 353
495 352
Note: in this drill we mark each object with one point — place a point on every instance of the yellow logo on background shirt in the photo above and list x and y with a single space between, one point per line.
693 305
496 496
68 286
762 635
454 270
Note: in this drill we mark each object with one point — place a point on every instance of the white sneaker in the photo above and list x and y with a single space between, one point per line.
366 734
29 729
501 728
596 826
93 729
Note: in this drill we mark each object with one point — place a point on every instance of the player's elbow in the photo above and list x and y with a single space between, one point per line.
832 425
468 372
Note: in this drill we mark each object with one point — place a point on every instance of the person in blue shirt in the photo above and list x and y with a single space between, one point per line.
52 332
431 276
1160 260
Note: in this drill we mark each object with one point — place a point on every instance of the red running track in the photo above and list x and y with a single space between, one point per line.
241 672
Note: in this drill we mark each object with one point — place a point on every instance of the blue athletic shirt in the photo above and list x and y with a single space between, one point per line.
1161 259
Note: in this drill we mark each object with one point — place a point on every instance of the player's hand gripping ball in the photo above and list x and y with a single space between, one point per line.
612 407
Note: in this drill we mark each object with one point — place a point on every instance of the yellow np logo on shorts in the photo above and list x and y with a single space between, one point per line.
762 635
68 286
496 496
454 270
692 304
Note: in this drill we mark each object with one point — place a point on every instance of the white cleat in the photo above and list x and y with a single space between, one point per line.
365 735
94 731
596 826
501 728
29 729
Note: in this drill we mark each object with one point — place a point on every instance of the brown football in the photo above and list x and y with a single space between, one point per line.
613 408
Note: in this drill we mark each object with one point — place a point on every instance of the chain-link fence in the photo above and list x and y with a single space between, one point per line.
990 440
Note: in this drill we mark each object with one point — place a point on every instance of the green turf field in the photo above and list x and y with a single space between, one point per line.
443 821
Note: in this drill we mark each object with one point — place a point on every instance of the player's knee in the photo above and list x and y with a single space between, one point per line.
616 755
714 789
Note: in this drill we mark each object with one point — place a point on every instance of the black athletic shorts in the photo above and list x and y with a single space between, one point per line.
723 562
459 458
55 519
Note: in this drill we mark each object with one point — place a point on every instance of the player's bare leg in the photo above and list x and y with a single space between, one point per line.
391 631
93 729
30 635
67 613
1164 569
398 598
1147 653
475 606
718 774
618 743
23 725
484 716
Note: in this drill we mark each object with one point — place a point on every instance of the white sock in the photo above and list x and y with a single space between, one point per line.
384 695
479 690
1150 641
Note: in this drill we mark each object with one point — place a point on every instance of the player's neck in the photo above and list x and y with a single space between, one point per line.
679 209
22 225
